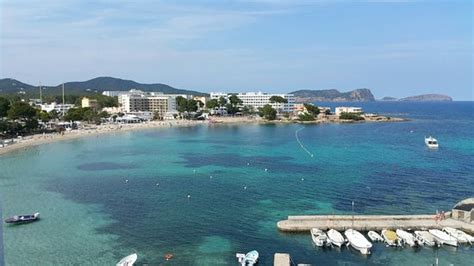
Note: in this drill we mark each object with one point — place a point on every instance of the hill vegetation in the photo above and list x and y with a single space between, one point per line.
89 87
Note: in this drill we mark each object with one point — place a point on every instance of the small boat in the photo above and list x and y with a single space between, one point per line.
390 238
319 238
335 238
19 219
251 258
128 261
374 236
443 238
425 238
462 237
407 238
431 142
358 241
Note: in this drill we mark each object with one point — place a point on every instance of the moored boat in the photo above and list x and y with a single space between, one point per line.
319 238
335 237
251 258
431 142
358 241
443 238
425 238
462 237
407 238
19 219
390 238
374 236
128 261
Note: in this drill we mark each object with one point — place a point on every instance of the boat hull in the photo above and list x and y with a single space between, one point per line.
22 219
335 238
444 238
128 261
460 236
390 238
358 241
425 238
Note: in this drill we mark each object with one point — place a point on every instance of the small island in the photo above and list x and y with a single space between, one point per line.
421 98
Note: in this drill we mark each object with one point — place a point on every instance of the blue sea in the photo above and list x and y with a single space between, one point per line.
202 193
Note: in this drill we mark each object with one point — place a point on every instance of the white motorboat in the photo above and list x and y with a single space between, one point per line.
407 238
425 238
390 238
335 238
462 237
431 142
443 238
319 238
374 236
128 261
358 241
251 258
21 219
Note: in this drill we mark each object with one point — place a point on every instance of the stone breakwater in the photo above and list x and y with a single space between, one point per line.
304 223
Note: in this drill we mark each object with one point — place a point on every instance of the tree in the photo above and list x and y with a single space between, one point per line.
231 109
4 106
222 101
268 112
212 104
44 116
104 114
312 109
181 104
54 114
76 114
191 105
21 110
90 115
306 117
350 116
278 99
248 110
235 100
31 124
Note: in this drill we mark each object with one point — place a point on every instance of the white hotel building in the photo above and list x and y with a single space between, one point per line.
155 102
260 99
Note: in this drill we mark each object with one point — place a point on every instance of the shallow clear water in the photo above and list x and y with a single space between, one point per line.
91 215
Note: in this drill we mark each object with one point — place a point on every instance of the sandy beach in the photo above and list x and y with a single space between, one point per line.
91 130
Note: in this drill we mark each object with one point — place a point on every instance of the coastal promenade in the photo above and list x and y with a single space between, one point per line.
304 223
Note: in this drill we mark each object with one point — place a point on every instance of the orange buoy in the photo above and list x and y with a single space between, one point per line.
168 256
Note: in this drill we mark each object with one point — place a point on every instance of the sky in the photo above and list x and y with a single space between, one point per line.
395 48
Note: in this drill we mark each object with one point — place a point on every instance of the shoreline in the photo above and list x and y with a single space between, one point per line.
40 139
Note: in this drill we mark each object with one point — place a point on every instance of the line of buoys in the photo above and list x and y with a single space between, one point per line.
301 144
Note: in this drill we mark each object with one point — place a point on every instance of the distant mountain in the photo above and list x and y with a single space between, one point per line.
421 98
358 95
389 99
96 85
427 98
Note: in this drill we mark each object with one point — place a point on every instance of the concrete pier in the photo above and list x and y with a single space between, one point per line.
370 222
281 259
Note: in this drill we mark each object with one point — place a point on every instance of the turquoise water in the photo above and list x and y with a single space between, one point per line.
92 216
